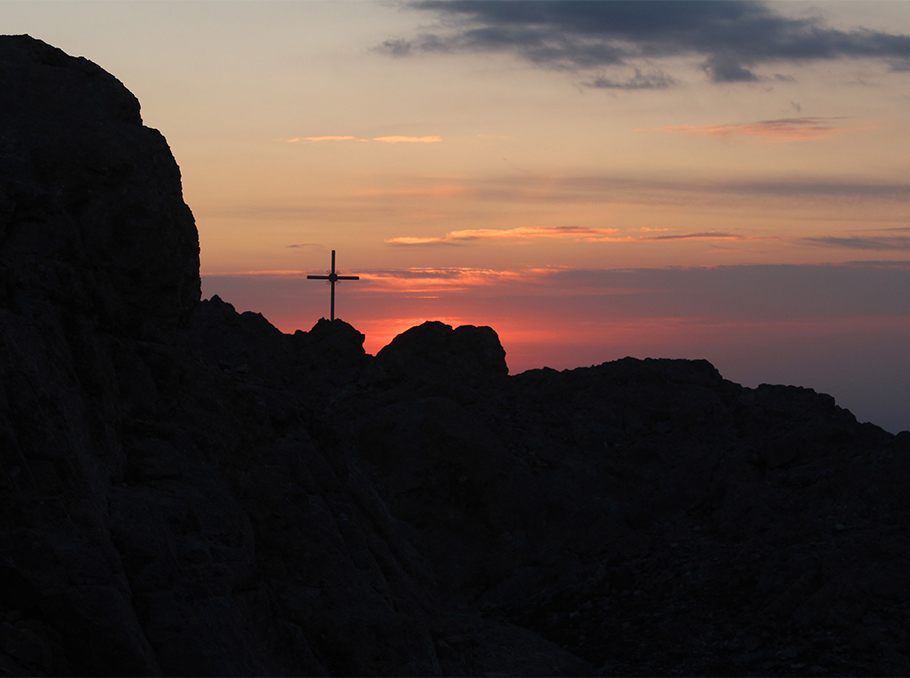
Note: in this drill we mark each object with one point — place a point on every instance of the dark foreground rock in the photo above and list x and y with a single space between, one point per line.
185 490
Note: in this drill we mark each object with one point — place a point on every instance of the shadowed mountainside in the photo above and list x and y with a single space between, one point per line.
185 490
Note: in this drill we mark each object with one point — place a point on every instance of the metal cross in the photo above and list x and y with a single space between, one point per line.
333 278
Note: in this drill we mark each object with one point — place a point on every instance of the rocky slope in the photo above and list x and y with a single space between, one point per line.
185 490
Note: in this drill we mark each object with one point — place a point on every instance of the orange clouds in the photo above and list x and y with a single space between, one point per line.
520 233
765 131
431 281
415 280
408 140
407 240
582 233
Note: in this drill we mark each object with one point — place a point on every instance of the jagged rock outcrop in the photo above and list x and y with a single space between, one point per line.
330 354
161 514
656 519
185 490
91 210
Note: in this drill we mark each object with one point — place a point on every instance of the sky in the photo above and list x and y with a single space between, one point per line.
594 180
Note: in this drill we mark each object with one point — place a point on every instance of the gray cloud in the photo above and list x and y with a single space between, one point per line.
728 68
704 235
656 79
610 188
733 38
398 48
899 243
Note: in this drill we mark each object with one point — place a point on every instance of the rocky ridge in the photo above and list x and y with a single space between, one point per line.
185 490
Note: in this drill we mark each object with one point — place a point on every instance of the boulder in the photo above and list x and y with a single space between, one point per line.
330 345
434 352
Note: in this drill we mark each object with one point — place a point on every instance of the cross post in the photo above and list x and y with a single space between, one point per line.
333 278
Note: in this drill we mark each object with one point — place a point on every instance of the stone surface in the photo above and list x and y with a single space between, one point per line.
90 200
185 490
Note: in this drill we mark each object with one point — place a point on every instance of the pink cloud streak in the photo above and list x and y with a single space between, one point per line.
584 233
765 131
520 233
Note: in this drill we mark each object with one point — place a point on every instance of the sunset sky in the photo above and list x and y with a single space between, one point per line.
717 180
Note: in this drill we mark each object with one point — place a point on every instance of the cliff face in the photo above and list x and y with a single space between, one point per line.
186 490
150 497
90 200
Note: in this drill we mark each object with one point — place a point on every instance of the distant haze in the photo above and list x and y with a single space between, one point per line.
712 180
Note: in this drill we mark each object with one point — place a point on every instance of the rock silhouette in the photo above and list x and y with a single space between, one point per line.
185 490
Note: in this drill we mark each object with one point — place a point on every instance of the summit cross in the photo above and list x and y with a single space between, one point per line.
333 278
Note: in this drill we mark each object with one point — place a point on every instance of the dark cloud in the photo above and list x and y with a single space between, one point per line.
846 190
733 38
397 47
728 68
900 243
655 79
705 235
